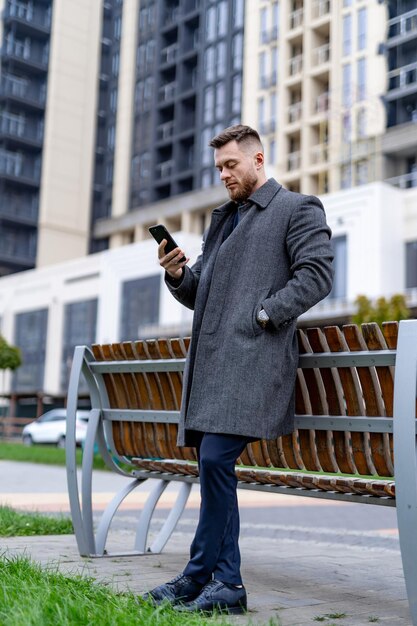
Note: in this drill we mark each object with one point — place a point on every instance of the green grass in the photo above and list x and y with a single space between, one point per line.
17 524
32 596
40 454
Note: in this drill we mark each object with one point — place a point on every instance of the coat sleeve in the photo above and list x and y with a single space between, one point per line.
311 256
185 289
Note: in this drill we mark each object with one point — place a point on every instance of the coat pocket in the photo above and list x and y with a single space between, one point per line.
248 311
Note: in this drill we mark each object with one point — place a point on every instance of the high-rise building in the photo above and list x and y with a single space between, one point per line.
107 107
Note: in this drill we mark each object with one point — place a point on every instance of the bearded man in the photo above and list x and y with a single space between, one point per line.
266 259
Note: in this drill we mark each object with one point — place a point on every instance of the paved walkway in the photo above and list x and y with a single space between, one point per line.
292 581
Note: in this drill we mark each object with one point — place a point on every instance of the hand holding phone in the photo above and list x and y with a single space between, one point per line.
159 233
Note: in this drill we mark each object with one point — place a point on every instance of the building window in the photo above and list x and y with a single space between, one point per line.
274 65
361 123
206 179
411 265
221 60
362 19
273 110
275 20
238 13
272 152
263 18
347 34
211 24
209 63
222 19
339 245
208 107
117 27
361 79
111 136
362 172
346 181
347 81
109 172
140 306
30 337
220 101
261 114
115 64
263 80
80 321
236 93
206 151
237 51
113 99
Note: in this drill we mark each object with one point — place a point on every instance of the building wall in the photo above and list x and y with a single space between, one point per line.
98 276
66 183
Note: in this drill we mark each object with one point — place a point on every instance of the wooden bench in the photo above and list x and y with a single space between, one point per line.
355 412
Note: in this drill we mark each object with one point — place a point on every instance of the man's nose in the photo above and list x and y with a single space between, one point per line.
224 174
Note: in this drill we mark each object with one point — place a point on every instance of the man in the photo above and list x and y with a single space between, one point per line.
266 259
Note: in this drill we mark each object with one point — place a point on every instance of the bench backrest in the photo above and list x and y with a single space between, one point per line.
344 401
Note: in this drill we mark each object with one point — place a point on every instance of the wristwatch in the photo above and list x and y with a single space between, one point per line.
262 318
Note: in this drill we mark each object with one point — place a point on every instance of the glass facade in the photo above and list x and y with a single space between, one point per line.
140 306
80 323
30 337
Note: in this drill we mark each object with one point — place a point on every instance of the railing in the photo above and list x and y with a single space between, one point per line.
170 53
403 25
319 153
22 49
323 102
268 80
269 35
404 181
22 88
18 126
321 54
321 8
403 76
294 161
13 207
165 168
166 130
296 18
294 112
296 65
171 15
167 92
13 164
26 12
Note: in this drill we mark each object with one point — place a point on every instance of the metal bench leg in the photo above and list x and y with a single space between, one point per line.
172 520
106 518
146 515
405 455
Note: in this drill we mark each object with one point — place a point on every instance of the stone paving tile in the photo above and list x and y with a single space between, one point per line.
296 581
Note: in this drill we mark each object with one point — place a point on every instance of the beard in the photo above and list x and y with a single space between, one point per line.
241 191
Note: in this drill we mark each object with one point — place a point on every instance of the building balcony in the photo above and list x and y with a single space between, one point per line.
165 169
404 181
24 55
321 8
20 131
171 16
319 154
296 18
167 92
322 103
321 55
23 91
402 28
402 81
22 210
169 54
294 161
295 111
28 19
166 130
16 168
296 65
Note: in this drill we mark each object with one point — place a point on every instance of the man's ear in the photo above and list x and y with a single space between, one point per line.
259 160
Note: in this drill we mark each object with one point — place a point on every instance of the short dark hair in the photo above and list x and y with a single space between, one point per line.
239 133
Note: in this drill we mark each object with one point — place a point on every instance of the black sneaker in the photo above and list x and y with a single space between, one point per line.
217 596
180 589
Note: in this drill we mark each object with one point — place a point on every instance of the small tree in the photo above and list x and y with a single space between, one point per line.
10 359
394 309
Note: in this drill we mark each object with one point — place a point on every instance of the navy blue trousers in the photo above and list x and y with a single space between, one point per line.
215 551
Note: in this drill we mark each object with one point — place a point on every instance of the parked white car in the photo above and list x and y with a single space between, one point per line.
51 427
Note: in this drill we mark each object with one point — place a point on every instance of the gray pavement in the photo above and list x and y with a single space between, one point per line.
295 573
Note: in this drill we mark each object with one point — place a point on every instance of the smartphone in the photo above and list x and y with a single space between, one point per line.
159 232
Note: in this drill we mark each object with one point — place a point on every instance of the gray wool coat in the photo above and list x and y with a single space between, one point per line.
239 378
